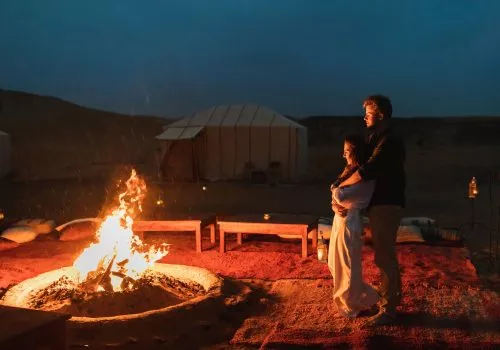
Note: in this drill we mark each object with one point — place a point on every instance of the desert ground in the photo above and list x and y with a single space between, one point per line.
67 160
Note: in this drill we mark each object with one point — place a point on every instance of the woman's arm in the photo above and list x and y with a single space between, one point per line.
354 196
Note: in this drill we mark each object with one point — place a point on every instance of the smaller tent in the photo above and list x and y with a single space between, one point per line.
231 142
5 154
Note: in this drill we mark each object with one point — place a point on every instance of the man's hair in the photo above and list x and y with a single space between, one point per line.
381 103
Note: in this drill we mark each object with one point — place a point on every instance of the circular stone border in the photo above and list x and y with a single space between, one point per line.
19 294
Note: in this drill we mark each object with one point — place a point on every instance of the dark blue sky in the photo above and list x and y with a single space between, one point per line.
320 57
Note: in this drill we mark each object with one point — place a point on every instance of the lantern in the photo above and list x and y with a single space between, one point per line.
473 191
159 200
322 249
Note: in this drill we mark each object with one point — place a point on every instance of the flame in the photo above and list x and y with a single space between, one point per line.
118 250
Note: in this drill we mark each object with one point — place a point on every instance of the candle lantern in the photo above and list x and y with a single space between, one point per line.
473 191
322 249
159 200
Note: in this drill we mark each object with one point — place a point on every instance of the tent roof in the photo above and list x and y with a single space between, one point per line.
236 115
174 133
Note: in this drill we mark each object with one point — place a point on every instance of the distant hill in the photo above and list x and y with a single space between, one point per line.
23 105
419 131
52 137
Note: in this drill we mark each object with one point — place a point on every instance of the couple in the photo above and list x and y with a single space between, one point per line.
374 178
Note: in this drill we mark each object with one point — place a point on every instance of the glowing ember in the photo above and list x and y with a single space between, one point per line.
119 257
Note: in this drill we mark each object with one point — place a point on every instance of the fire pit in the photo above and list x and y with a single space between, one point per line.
163 288
169 302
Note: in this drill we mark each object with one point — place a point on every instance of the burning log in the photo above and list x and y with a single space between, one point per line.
127 282
99 277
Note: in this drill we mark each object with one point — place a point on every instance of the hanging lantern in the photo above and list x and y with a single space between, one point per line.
322 249
159 200
473 191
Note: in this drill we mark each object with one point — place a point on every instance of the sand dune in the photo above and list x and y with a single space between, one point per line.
56 139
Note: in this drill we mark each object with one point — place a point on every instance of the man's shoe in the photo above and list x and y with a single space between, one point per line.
383 318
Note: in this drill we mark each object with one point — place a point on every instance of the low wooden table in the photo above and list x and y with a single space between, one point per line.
289 224
32 329
180 222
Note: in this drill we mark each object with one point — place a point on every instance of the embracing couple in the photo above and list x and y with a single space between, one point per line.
373 178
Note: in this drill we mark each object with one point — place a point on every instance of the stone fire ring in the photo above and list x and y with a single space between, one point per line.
19 294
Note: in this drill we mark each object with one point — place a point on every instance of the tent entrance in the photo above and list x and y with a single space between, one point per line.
181 156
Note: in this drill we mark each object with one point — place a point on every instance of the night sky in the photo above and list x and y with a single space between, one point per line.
301 58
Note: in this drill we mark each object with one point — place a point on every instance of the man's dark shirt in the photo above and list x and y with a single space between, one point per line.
386 166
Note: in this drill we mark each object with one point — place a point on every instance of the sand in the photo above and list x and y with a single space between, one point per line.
444 303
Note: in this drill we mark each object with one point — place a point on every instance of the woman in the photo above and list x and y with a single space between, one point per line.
351 294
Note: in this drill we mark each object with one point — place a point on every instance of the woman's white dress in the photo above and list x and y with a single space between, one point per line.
350 293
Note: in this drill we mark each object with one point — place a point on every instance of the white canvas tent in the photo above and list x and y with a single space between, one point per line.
5 154
224 142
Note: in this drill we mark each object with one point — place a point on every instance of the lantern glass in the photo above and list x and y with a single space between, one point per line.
473 191
322 249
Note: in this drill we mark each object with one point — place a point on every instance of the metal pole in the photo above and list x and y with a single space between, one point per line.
498 239
490 185
472 219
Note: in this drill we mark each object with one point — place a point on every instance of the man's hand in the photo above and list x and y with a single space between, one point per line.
341 211
353 179
338 209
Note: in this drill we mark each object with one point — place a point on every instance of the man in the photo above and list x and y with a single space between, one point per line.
386 166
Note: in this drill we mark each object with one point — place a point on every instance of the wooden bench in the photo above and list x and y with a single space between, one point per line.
289 224
32 329
180 222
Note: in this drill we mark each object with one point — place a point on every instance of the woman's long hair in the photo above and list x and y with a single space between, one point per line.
359 154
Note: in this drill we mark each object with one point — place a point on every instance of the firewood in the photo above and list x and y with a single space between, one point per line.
99 278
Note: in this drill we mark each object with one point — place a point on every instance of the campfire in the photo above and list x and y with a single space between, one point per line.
119 257
116 275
